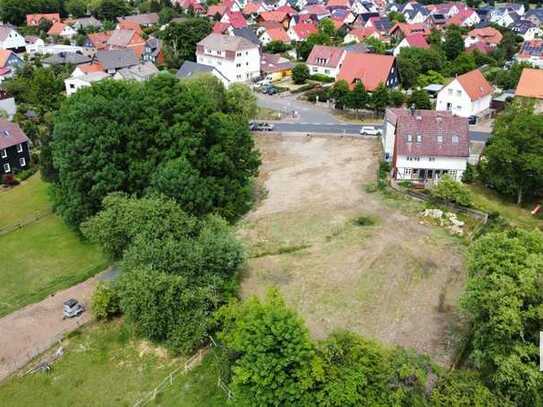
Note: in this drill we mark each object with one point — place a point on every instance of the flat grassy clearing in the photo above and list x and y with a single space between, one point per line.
24 201
397 280
103 366
42 257
489 201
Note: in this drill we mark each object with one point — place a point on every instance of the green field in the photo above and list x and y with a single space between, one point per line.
103 366
42 257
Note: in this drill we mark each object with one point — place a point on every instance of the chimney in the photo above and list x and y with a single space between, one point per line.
412 108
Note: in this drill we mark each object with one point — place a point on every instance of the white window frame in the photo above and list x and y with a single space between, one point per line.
22 162
4 153
7 168
20 148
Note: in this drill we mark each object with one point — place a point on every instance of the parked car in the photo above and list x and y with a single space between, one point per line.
370 131
72 308
472 120
268 90
255 126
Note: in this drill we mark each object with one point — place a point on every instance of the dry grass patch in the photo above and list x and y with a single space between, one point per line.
385 280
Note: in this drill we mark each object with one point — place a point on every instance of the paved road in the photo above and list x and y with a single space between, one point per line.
307 112
339 128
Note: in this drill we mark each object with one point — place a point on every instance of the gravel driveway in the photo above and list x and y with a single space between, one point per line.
33 329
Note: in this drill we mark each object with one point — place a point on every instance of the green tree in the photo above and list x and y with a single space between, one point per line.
105 301
300 73
413 62
420 99
397 98
358 99
15 11
277 47
380 98
180 39
509 78
448 189
240 100
111 9
463 63
327 27
340 93
430 78
513 158
76 8
272 353
454 43
504 301
179 119
303 48
378 46
397 17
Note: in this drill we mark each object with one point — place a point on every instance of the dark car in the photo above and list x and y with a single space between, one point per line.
269 90
255 126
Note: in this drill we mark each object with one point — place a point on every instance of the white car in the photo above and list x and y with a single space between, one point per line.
370 131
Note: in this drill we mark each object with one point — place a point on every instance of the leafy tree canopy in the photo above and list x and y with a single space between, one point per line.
15 11
300 73
115 136
180 39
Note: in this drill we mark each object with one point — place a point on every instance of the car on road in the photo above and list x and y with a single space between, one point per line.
256 126
370 131
72 308
268 90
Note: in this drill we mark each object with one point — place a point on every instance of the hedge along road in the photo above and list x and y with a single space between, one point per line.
27 332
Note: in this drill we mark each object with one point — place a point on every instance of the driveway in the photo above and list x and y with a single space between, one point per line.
307 112
26 333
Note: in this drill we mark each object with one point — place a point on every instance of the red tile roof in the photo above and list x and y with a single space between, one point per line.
278 34
56 29
4 56
408 29
304 30
287 9
34 19
99 40
219 27
323 55
371 69
488 35
362 33
441 134
475 84
417 41
530 84
11 134
215 9
338 4
481 47
91 67
129 25
236 19
277 16
251 8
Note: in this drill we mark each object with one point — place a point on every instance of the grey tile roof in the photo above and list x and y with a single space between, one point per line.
120 38
140 72
141 19
226 42
117 58
62 58
190 69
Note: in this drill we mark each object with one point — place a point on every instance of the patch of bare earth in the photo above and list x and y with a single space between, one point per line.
397 281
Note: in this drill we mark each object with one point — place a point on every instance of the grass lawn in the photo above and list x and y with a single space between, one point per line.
489 201
103 366
25 200
265 113
42 257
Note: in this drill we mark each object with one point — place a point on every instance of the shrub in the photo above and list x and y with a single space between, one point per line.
300 73
22 175
364 220
469 174
450 190
105 301
9 179
321 78
384 170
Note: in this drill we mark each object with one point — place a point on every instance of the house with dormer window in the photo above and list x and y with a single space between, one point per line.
14 148
325 60
424 145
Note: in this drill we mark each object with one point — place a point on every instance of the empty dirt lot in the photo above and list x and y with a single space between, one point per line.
397 280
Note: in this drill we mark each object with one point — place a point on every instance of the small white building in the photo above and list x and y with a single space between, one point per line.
11 39
74 83
236 58
423 145
34 45
467 95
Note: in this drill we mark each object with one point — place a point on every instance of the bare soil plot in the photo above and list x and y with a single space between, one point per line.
397 280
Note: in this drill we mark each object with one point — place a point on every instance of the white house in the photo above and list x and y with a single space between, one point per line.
411 41
236 58
74 83
325 60
423 145
61 30
467 95
34 45
11 39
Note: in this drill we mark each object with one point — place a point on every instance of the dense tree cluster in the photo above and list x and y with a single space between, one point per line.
15 11
273 362
504 300
513 156
180 39
176 269
186 139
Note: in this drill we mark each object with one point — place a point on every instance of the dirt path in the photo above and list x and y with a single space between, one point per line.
26 333
397 281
